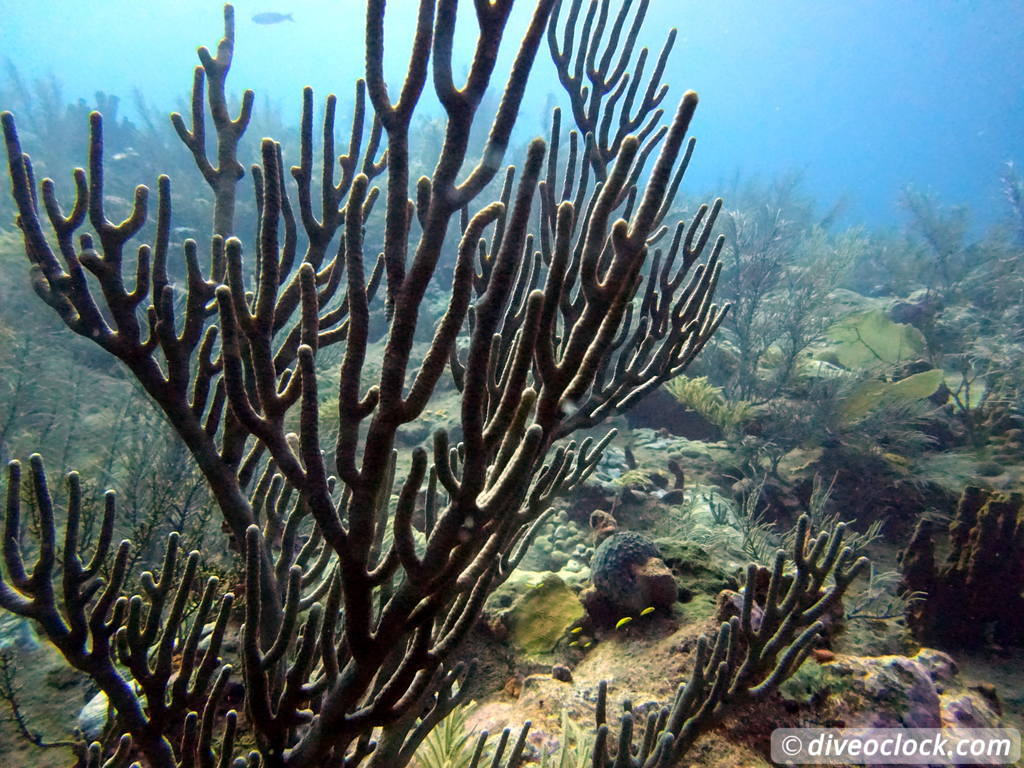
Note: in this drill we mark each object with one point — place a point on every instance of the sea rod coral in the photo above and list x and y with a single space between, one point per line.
353 612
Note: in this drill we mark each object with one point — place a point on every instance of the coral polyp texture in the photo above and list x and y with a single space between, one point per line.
629 576
976 594
364 569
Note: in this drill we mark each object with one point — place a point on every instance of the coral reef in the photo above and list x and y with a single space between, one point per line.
746 660
390 384
729 673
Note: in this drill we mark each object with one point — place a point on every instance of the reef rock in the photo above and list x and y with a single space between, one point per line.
918 309
18 633
661 411
919 691
93 717
698 571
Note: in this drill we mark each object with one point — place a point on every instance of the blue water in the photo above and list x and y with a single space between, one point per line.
861 97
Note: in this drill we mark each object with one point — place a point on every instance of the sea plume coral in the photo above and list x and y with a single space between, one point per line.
353 614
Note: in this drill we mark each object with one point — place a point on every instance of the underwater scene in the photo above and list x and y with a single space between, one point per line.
441 384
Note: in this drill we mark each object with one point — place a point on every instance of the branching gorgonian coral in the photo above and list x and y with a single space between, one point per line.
352 612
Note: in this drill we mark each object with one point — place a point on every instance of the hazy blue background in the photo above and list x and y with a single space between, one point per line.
862 96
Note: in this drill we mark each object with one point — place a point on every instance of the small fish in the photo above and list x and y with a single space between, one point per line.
623 622
270 17
574 644
588 643
576 630
649 609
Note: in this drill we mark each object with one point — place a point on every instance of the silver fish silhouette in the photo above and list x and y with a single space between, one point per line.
270 17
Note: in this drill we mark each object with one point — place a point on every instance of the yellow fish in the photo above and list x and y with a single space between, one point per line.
576 630
623 622
647 610
573 644
588 644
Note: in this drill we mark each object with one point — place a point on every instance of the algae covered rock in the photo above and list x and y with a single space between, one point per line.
919 691
696 570
918 309
542 615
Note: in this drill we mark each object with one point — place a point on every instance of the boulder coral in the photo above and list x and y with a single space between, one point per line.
628 574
